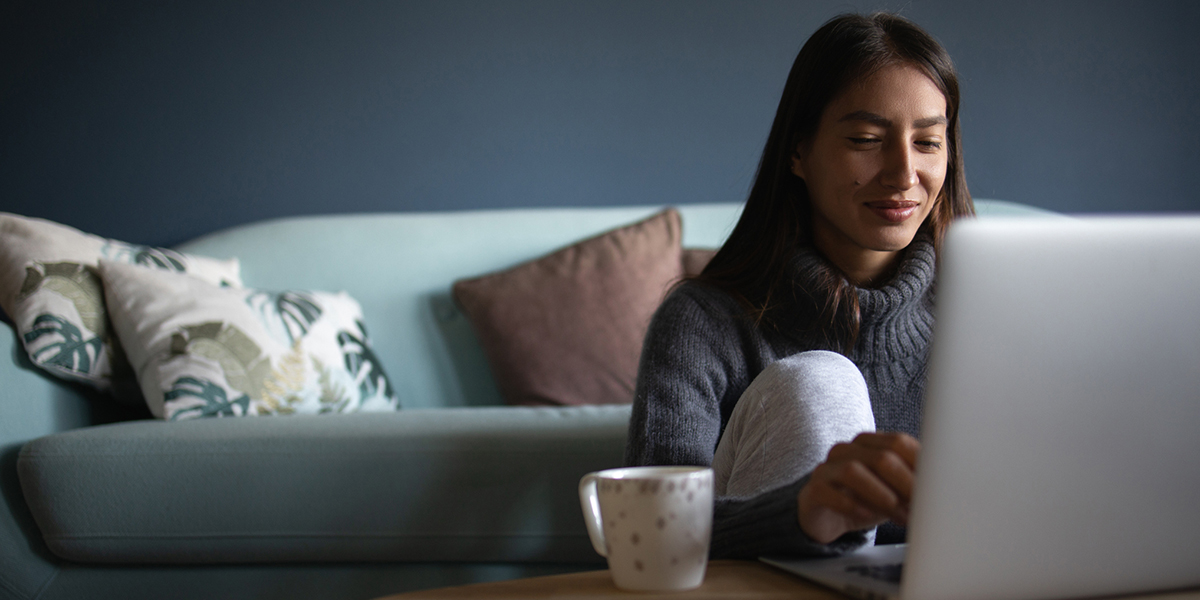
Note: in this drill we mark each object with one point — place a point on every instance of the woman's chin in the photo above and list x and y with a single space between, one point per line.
893 239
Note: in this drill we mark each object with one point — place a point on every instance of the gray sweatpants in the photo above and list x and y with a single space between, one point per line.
787 420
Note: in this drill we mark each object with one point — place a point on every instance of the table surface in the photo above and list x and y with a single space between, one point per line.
725 580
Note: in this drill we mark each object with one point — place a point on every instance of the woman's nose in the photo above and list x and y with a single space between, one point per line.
899 170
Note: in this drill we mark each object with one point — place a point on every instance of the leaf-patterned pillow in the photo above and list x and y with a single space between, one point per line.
203 350
50 289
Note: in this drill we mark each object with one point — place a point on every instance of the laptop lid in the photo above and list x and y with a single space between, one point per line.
1061 436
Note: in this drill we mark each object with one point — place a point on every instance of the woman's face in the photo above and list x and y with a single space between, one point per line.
874 169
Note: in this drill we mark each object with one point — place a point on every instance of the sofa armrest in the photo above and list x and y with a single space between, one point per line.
32 404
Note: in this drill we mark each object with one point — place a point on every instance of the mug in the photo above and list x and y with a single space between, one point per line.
652 523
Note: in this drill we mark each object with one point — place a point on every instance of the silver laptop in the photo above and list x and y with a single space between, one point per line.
1061 435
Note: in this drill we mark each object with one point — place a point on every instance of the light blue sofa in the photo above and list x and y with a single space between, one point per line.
454 488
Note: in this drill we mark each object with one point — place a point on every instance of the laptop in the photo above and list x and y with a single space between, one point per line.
1061 434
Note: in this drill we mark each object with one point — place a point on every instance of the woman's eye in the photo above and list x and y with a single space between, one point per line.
863 141
930 144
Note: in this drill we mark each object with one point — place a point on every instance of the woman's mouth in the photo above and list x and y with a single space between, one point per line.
894 211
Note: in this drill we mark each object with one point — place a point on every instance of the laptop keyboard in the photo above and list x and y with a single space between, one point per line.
889 573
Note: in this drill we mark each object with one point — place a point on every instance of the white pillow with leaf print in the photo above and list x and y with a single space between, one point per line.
50 290
203 350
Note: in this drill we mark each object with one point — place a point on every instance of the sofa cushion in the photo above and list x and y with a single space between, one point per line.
462 484
567 328
204 350
49 288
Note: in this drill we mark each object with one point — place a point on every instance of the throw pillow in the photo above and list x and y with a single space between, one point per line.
203 350
567 328
50 290
695 259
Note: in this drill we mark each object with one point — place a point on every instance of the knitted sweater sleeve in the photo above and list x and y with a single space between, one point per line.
694 364
684 374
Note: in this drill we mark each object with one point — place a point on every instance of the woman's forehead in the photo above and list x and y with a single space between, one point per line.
894 93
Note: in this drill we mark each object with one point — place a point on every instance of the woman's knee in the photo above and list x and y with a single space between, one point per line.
790 416
818 374
815 384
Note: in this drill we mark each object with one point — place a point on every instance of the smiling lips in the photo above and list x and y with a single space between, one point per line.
894 211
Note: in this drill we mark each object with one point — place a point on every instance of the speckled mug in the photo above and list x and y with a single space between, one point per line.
652 523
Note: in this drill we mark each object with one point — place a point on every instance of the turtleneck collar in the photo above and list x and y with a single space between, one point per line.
907 286
895 318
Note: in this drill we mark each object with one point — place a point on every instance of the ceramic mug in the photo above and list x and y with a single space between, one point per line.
652 523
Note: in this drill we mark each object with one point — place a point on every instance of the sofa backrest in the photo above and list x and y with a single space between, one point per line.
400 267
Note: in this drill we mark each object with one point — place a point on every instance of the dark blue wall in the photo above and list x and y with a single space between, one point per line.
155 122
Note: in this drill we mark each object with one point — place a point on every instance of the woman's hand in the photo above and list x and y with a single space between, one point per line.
860 485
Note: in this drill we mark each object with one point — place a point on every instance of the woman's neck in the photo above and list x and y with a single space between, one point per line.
860 266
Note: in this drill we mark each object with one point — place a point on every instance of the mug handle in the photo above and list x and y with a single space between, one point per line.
591 512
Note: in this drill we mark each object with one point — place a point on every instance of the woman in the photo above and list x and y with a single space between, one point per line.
810 328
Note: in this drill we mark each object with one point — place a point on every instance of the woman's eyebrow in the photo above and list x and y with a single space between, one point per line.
869 117
879 120
930 122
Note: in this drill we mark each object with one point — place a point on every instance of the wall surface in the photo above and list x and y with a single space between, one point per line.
155 122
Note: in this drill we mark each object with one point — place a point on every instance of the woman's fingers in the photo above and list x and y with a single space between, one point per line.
863 487
841 500
892 470
889 457
826 513
861 484
905 447
902 446
866 486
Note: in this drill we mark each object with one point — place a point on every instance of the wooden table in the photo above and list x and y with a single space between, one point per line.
725 580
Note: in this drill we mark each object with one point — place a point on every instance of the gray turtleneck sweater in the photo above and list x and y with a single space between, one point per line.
702 351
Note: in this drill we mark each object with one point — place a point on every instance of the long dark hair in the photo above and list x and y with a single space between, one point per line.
777 216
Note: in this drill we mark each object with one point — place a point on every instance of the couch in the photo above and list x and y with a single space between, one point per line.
100 500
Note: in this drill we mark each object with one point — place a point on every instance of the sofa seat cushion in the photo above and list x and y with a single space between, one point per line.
465 484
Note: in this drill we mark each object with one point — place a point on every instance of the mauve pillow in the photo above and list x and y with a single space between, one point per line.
567 328
695 259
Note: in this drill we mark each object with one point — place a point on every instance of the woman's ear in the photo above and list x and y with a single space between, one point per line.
798 161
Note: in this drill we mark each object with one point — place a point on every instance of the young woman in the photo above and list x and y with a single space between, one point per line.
809 330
